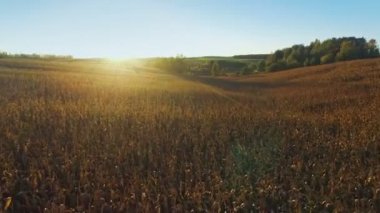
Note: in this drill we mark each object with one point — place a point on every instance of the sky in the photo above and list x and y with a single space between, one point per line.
151 28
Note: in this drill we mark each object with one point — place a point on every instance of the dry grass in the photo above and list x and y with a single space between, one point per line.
78 136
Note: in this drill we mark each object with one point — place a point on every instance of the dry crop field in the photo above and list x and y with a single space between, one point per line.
100 137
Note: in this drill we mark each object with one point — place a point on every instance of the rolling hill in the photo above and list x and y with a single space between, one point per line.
82 135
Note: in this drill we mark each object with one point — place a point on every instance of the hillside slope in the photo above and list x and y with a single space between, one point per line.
85 135
323 88
330 118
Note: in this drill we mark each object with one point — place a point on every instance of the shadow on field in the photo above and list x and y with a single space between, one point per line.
234 85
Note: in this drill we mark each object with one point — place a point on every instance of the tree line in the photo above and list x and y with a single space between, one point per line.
328 51
176 64
316 53
34 56
251 56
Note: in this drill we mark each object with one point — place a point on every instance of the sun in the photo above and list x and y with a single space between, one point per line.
116 60
120 65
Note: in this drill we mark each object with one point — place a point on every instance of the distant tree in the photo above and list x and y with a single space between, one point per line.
306 62
328 58
373 49
315 52
175 65
215 68
281 65
249 69
348 51
261 66
35 56
252 56
292 60
3 54
328 51
277 56
314 60
253 67
231 65
179 64
352 48
299 53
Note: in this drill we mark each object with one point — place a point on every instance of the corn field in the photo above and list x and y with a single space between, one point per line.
83 136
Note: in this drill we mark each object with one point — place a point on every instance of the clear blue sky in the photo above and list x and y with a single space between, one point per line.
145 28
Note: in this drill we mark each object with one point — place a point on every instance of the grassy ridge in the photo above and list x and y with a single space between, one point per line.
99 136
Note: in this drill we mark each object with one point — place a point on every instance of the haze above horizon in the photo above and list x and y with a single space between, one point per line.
151 28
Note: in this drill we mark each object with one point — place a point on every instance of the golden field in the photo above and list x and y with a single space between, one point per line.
97 136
